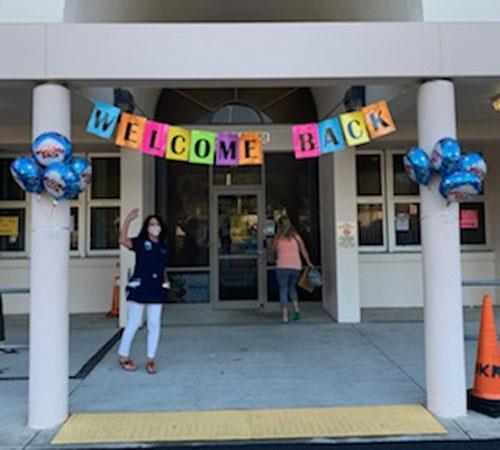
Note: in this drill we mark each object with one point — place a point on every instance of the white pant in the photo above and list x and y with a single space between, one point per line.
135 312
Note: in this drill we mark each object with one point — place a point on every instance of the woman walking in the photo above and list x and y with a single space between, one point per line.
147 289
289 247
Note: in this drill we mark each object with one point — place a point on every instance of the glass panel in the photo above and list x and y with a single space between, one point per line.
370 218
104 227
238 279
9 190
189 287
14 242
182 201
105 178
232 176
402 183
238 224
472 223
368 175
292 189
73 228
407 223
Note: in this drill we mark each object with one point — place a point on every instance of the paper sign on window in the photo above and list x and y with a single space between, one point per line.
469 219
9 226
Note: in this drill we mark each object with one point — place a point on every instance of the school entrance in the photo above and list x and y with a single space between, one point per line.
221 219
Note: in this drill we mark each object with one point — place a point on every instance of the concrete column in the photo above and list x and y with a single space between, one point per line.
443 316
49 265
340 259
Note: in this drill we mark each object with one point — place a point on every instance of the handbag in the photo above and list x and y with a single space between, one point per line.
314 277
304 282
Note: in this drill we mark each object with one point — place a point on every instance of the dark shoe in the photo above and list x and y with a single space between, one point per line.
127 364
151 367
296 315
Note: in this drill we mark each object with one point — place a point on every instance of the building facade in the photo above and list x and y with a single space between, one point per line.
231 69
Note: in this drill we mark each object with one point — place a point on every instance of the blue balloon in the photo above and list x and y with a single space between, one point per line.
51 147
474 163
60 181
446 156
27 174
418 165
460 186
83 170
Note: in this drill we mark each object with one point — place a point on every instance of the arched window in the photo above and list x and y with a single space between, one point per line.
236 106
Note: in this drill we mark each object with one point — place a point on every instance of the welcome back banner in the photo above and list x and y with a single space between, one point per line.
310 140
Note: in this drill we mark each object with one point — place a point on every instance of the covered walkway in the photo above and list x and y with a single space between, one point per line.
239 360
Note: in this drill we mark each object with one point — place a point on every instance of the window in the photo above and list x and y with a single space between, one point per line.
472 224
388 205
370 201
13 207
403 208
103 206
184 205
94 214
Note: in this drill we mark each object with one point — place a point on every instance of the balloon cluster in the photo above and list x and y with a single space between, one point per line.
462 175
52 168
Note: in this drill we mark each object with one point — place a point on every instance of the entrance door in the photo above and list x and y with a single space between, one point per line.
237 249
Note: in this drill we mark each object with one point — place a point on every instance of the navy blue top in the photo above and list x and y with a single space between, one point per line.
151 259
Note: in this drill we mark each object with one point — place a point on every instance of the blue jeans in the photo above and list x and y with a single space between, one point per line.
287 282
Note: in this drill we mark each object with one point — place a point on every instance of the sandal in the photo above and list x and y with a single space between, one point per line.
127 364
151 367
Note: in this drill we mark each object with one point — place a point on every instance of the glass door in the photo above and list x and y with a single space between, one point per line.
237 248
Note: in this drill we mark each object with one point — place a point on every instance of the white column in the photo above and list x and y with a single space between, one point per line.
340 261
443 316
49 320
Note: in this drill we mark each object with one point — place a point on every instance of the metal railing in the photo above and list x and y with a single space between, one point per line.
481 283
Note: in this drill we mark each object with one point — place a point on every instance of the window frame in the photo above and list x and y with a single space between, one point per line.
392 200
92 203
373 199
487 236
18 204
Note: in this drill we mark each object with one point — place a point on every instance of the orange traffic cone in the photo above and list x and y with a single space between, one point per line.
115 300
485 395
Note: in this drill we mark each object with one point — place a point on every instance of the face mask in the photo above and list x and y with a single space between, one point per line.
154 230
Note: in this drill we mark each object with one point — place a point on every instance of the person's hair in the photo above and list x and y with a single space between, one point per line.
143 234
286 228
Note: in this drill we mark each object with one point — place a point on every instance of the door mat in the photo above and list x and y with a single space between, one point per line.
253 424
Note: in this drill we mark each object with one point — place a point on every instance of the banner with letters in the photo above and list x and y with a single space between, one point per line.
310 140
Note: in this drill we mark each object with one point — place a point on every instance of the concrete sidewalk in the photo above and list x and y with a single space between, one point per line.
258 363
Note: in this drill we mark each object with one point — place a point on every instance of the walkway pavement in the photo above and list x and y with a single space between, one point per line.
246 360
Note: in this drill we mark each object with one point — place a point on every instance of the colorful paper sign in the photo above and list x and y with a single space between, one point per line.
354 127
202 149
155 138
178 142
330 136
251 150
469 219
378 119
103 120
306 141
9 226
227 149
130 131
310 140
